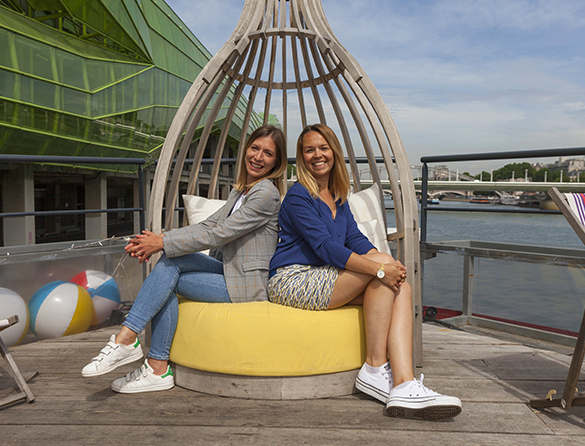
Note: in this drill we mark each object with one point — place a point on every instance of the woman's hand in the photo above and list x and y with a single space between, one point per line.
395 275
144 245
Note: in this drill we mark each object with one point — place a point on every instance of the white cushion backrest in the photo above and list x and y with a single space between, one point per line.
366 207
199 208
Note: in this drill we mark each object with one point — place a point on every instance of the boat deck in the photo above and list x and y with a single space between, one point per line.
494 377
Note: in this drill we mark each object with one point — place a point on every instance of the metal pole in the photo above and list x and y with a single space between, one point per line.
423 202
468 273
141 200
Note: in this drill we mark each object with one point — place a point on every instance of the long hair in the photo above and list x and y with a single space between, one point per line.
339 184
277 136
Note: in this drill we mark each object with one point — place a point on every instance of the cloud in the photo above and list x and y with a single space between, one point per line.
457 75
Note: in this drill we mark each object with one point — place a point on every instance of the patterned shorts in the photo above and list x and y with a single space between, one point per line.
303 286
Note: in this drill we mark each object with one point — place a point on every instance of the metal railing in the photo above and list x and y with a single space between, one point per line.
523 154
472 250
79 160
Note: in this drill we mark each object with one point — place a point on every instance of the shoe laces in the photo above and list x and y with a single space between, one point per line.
387 372
424 390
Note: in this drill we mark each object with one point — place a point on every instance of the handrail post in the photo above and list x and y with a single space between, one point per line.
423 202
468 272
141 205
141 200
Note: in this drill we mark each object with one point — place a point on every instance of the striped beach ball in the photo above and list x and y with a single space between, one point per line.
104 293
12 304
60 309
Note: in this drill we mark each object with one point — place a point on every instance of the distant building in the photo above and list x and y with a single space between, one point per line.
569 166
93 78
440 173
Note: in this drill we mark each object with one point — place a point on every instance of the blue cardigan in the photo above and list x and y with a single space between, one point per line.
310 236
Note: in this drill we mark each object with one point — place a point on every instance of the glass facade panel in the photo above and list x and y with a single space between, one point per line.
7 114
45 120
45 4
40 93
7 84
34 57
98 104
127 31
161 81
98 74
160 120
174 99
71 69
75 101
159 50
5 54
144 119
145 89
140 23
126 97
30 143
73 126
123 70
184 88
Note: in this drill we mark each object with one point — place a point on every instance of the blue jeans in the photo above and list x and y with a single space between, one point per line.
195 276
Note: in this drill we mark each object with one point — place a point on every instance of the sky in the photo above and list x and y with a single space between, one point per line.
458 76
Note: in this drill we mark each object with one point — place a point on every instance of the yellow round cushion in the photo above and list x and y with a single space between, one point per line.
266 339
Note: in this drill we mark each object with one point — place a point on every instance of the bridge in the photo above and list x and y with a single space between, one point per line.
487 186
460 184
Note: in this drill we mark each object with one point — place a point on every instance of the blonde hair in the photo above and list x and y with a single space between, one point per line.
277 136
339 184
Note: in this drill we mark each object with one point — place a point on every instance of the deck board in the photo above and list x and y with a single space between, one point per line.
494 378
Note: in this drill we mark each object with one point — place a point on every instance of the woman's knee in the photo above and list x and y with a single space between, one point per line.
381 257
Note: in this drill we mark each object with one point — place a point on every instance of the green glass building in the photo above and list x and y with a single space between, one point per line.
93 77
99 78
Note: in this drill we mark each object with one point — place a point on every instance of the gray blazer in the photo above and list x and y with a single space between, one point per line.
248 239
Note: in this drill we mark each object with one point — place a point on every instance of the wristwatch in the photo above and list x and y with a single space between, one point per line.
381 274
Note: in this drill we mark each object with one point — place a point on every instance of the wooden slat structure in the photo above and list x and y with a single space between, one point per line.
25 393
282 47
570 395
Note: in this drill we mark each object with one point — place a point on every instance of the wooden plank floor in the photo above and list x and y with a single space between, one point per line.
494 378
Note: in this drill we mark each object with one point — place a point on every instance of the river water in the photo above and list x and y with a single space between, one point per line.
547 295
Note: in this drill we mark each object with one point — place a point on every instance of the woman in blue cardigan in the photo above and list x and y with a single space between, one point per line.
323 261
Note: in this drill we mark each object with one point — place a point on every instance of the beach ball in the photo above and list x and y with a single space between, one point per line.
12 304
60 309
103 291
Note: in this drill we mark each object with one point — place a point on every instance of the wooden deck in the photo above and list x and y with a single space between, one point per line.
494 377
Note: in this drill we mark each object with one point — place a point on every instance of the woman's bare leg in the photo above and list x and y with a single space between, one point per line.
388 318
400 336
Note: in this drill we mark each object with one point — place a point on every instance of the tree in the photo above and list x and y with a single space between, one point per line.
517 170
483 176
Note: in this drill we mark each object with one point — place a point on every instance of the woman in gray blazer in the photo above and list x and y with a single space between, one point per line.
242 235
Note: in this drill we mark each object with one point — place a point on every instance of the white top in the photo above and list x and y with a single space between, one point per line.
238 203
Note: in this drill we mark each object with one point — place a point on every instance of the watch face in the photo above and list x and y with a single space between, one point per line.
380 274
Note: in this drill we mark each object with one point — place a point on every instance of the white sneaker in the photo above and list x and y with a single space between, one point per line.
111 357
144 380
413 400
377 385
